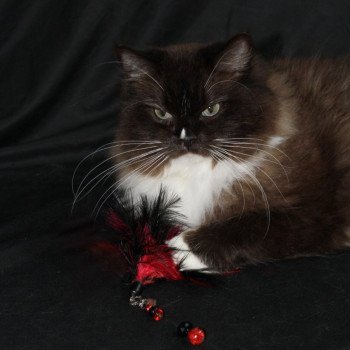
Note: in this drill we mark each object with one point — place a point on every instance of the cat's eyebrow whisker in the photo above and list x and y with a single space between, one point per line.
105 161
134 104
142 71
103 200
108 172
133 66
244 87
216 65
258 184
107 62
232 81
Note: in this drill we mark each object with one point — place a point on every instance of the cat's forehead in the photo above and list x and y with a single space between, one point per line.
186 56
185 74
184 70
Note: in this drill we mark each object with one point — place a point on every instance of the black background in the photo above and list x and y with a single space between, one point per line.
58 103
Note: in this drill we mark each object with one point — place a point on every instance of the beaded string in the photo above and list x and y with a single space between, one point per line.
195 335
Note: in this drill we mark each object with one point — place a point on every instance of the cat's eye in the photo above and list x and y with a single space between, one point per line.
163 115
211 110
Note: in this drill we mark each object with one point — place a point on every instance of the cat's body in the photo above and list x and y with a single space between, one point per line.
259 153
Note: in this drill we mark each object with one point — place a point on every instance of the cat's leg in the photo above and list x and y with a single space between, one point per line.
182 254
249 240
208 248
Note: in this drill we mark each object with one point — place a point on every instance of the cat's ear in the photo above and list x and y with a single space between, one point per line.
236 55
133 63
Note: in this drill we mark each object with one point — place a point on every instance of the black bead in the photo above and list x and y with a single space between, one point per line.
183 328
152 310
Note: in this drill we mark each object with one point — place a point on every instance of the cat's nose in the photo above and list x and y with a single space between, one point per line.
187 137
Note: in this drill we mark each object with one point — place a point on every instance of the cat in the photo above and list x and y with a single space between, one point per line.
257 151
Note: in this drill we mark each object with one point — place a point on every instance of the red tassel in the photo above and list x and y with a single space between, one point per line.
155 261
158 265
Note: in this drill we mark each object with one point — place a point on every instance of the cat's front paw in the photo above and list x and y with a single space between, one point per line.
182 254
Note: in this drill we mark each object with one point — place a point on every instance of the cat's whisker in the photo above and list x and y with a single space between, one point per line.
121 181
157 165
103 148
100 149
268 176
132 161
225 145
277 162
111 189
83 186
116 186
163 157
240 139
229 163
128 142
258 142
233 153
76 193
108 172
243 167
218 159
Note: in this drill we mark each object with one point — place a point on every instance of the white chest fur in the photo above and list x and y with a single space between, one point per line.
191 177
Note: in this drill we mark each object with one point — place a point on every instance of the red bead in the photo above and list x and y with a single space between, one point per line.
148 307
196 336
150 303
158 314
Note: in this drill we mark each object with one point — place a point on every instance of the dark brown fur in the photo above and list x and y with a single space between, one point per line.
306 180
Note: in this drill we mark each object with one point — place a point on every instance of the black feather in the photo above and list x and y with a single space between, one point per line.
160 216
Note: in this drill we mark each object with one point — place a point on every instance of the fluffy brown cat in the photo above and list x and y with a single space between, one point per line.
257 151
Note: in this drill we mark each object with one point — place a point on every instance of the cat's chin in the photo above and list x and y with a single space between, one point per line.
190 152
185 161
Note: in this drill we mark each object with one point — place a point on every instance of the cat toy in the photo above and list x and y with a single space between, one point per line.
143 229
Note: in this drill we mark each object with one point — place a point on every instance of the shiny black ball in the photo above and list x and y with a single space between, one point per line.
183 328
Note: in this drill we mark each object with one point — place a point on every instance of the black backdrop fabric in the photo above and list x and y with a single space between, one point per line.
58 103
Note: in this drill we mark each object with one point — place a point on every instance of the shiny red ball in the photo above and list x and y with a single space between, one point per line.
196 336
158 314
148 307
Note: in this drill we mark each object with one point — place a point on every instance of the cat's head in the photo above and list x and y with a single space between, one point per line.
192 98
